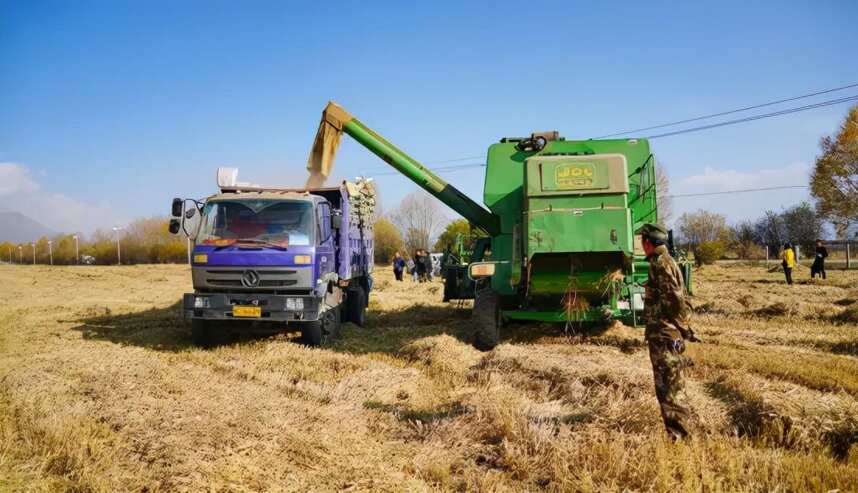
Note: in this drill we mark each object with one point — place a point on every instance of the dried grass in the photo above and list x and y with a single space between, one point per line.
100 390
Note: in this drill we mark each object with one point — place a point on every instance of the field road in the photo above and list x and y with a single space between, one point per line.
101 390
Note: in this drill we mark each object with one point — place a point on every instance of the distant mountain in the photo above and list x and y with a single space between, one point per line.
18 228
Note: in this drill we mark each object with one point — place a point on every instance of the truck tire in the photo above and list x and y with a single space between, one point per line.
311 333
357 306
206 333
319 332
487 320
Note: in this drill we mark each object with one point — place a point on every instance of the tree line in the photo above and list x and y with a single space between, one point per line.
709 236
833 186
144 241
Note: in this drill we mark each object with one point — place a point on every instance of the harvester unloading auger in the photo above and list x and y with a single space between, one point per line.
561 222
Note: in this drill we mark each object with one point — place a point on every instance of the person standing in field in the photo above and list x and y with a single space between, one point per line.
818 266
398 266
788 262
415 273
667 315
411 266
420 260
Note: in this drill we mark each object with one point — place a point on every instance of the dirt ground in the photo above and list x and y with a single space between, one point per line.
101 390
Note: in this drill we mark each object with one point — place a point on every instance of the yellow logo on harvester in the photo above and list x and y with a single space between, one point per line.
574 175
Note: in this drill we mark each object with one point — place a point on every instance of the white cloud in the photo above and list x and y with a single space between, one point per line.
59 212
741 206
15 178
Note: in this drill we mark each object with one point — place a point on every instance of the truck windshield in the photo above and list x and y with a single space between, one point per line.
274 221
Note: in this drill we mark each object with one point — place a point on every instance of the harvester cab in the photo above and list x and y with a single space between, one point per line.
561 224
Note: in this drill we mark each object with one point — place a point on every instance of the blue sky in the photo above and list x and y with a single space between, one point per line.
109 109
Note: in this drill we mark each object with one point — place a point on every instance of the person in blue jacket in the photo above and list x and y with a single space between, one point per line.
398 265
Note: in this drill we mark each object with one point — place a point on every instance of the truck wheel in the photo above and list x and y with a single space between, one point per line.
323 330
357 306
205 333
487 321
311 333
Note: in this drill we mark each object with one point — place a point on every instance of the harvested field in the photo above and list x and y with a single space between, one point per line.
101 390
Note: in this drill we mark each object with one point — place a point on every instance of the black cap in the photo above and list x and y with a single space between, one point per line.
653 232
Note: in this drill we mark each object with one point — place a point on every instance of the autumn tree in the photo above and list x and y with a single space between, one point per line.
803 226
744 241
834 181
663 200
419 217
387 240
706 234
8 252
771 230
448 237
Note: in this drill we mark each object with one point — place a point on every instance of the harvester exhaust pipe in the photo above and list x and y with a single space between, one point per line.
336 120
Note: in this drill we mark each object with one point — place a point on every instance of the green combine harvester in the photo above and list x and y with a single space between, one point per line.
561 225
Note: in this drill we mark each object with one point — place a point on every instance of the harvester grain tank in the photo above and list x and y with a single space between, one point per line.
561 221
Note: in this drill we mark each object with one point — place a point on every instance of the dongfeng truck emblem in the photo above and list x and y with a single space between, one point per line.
250 279
573 175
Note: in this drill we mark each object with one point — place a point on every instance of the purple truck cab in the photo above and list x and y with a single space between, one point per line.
266 259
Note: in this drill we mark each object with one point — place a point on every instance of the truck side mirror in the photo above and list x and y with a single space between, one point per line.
178 205
336 221
190 213
175 226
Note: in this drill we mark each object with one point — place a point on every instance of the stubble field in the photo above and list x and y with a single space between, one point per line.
101 390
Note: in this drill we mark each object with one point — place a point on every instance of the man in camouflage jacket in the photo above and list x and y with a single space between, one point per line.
667 314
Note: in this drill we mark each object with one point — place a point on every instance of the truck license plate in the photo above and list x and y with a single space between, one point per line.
246 311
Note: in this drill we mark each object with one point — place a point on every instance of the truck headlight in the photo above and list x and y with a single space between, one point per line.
294 303
201 302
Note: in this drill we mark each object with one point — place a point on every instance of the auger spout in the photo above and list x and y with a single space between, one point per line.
336 120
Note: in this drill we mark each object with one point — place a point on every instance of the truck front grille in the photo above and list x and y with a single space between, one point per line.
230 278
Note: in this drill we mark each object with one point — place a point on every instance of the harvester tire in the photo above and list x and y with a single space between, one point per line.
487 320
356 301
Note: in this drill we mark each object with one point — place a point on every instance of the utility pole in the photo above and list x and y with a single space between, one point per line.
34 252
51 251
20 254
118 252
76 251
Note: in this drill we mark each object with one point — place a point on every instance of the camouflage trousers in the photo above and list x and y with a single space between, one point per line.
668 368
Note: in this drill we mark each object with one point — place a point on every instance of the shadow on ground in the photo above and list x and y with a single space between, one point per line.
389 332
158 328
163 329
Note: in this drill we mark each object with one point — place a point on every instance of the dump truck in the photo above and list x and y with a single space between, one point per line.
561 224
265 259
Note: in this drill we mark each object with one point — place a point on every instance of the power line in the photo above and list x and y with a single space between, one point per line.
744 190
830 102
787 111
456 159
723 113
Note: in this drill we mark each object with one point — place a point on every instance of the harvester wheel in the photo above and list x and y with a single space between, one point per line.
356 301
487 319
